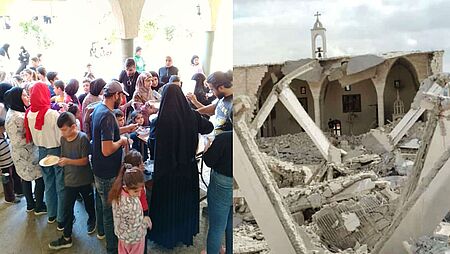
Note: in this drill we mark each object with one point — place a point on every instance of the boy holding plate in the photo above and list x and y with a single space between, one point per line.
78 176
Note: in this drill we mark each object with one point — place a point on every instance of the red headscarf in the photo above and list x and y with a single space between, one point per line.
40 102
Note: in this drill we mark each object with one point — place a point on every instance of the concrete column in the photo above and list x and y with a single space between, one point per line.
380 105
317 116
379 83
209 42
127 48
127 14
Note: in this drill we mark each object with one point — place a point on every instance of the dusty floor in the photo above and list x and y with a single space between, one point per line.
22 232
25 233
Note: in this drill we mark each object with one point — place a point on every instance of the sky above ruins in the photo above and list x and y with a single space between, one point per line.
267 31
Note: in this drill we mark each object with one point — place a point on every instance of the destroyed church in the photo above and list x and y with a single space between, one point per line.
359 92
342 154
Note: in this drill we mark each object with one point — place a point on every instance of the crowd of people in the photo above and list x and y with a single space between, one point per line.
94 146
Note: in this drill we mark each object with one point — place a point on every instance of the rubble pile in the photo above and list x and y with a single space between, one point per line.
286 174
296 148
347 211
248 238
435 244
317 195
360 220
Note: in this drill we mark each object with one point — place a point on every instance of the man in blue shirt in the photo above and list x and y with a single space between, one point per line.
107 154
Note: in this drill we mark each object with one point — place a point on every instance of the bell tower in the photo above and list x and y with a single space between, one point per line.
319 50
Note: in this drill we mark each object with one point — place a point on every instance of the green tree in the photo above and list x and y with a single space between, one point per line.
33 31
149 30
169 32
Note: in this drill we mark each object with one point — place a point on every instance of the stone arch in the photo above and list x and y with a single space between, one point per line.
401 70
262 93
332 106
280 121
322 39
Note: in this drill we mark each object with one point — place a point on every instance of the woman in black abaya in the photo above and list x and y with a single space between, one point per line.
174 207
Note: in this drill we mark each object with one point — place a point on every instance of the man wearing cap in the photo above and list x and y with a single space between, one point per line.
107 154
140 63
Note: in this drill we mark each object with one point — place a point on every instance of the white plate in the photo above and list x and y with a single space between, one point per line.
48 161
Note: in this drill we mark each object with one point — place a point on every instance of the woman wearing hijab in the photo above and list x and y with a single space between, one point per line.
175 194
201 90
24 155
143 95
4 87
41 128
95 90
71 89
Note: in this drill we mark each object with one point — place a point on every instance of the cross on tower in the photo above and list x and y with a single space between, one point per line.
317 15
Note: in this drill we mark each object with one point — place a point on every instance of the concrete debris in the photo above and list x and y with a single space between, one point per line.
365 159
360 220
436 244
377 141
443 228
315 196
248 238
351 221
411 144
286 174
296 148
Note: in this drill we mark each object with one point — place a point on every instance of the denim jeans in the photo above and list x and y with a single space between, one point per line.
99 213
54 185
103 186
220 213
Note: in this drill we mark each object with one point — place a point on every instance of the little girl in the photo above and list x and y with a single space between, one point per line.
135 159
138 144
75 110
129 222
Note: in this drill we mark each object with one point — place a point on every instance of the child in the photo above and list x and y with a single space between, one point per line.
86 88
7 167
57 101
121 122
59 92
78 177
75 110
135 159
129 222
138 144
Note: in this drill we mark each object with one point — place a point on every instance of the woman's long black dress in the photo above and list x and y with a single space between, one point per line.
174 207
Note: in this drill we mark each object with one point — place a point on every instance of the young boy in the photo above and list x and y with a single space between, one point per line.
120 117
78 176
52 76
7 167
59 92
